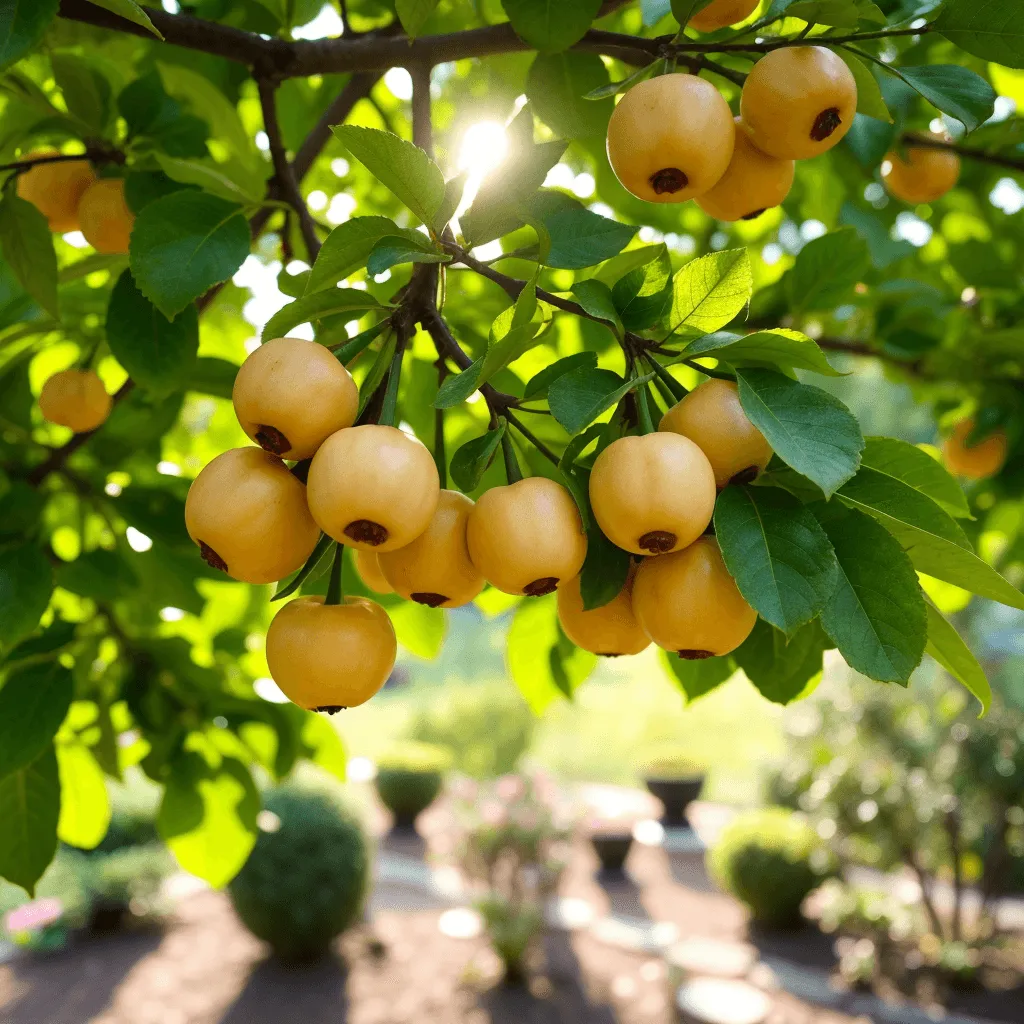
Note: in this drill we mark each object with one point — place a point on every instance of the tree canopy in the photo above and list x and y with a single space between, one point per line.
423 187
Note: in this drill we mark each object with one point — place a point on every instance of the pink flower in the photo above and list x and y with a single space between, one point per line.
510 787
34 916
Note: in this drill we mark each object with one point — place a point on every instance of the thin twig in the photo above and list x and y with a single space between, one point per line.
284 176
422 132
970 152
532 438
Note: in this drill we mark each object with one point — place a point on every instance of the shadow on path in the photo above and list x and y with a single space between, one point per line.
74 985
275 993
568 1002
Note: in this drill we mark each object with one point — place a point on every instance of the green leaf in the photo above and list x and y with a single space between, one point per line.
454 189
537 386
826 270
556 85
909 464
500 205
836 13
212 376
581 238
420 630
33 703
457 388
596 298
391 250
990 29
470 462
22 24
29 809
184 244
533 636
778 347
209 176
684 10
551 25
711 290
377 371
777 552
84 804
644 294
315 307
405 169
577 398
605 569
623 85
876 614
315 566
899 506
697 678
947 647
869 95
130 10
413 14
86 91
28 249
208 813
954 90
515 331
159 354
347 248
783 670
809 429
26 583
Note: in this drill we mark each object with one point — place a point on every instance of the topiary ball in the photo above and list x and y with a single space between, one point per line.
770 860
306 878
409 779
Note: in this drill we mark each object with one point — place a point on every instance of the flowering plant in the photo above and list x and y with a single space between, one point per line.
511 840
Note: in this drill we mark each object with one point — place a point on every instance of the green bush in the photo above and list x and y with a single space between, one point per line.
306 878
409 778
133 811
669 761
486 726
127 880
770 860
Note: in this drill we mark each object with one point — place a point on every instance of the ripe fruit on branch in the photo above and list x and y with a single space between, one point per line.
653 493
977 461
927 174
720 13
104 217
610 630
712 417
75 399
368 568
753 182
435 569
290 395
56 189
670 138
326 657
372 487
687 602
248 515
798 101
527 537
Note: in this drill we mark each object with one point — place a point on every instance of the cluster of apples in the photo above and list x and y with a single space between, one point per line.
72 198
377 490
673 138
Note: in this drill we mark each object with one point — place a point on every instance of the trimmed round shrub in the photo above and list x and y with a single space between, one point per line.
306 878
409 778
770 860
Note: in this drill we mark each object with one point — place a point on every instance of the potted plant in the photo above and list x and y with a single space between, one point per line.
612 847
676 779
409 778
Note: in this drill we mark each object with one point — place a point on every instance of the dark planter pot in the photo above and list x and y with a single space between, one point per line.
404 821
108 916
612 850
676 795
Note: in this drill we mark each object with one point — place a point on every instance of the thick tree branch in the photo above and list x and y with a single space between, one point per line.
422 131
284 182
971 153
